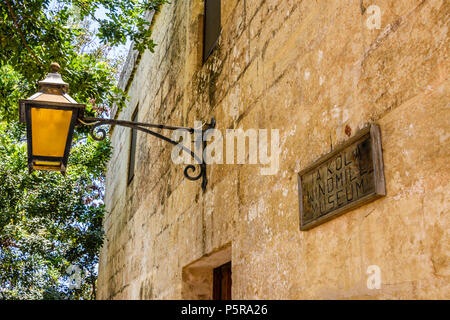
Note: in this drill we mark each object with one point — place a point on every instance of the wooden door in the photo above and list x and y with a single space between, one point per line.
222 282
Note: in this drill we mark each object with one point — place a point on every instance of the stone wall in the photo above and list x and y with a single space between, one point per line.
315 71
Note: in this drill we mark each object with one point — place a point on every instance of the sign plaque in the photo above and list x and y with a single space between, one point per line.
348 177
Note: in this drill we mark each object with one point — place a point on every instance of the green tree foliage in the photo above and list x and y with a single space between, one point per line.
49 222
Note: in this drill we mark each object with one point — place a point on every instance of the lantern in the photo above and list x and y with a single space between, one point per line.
50 116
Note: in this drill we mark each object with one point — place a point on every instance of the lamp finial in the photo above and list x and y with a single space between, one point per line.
54 67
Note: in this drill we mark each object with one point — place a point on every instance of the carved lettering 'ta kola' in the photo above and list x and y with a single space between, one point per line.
342 180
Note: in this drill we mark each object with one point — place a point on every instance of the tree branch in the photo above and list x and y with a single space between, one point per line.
16 24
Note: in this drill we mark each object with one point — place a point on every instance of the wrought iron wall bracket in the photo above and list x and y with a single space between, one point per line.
100 134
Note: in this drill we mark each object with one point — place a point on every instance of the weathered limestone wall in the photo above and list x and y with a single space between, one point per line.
309 69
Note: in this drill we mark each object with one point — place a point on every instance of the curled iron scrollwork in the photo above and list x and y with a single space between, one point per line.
193 169
99 134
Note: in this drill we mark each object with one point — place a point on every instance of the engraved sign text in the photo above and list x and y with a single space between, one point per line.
346 178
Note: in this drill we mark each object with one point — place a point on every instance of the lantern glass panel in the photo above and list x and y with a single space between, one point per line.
46 165
50 128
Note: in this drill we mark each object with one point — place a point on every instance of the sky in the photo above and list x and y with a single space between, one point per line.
120 51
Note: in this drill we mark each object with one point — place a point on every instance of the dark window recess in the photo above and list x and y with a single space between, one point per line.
222 282
211 27
132 159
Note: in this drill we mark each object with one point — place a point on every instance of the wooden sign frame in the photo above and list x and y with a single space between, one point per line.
369 135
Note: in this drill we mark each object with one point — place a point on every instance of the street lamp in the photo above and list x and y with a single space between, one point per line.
51 116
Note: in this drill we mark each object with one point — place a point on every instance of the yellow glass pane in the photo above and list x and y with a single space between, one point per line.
47 163
48 168
50 128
